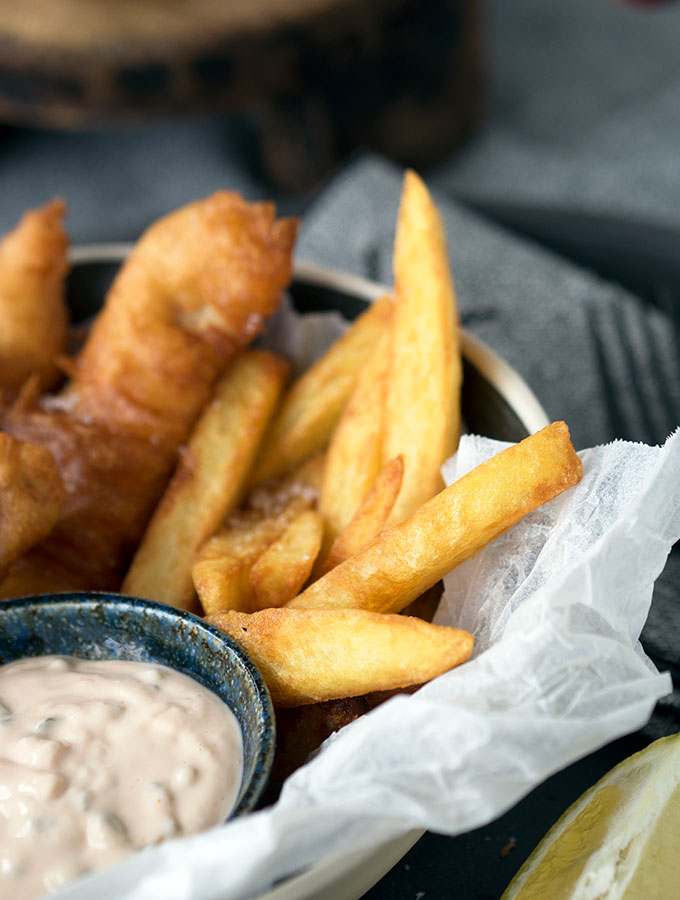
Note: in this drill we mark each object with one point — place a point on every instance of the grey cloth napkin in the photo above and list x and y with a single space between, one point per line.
595 355
583 109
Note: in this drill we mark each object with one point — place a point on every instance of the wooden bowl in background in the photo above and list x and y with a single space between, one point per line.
318 77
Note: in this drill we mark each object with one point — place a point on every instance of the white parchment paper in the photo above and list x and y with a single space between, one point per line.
556 605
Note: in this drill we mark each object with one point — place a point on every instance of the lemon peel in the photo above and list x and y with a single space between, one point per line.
618 841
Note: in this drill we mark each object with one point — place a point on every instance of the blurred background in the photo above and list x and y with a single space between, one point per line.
558 122
129 108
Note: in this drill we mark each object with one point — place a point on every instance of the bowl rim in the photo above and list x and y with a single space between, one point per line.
506 380
350 878
251 791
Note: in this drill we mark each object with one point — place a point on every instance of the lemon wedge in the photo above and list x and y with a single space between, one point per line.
619 841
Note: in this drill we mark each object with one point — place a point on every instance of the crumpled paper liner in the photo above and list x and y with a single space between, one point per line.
556 605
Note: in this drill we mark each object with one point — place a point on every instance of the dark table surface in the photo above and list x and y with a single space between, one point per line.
480 865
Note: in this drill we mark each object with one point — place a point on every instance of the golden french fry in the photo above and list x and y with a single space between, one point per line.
371 516
303 482
409 558
422 417
277 576
222 583
354 456
312 405
33 316
221 574
209 480
311 655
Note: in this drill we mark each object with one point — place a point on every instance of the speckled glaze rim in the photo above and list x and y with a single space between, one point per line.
252 788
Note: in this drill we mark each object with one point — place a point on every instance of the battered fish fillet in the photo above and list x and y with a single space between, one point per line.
112 482
31 494
33 318
196 289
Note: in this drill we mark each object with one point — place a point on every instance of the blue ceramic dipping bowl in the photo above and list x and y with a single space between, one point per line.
91 625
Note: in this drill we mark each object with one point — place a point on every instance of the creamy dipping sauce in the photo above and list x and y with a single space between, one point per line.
100 759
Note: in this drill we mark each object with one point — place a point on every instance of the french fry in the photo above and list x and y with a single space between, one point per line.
312 405
221 574
354 456
277 576
422 418
310 655
209 480
409 558
371 516
223 583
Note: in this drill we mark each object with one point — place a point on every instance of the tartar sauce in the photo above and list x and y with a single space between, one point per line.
100 759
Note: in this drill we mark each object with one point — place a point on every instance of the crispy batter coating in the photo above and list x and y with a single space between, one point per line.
31 494
196 288
112 482
33 318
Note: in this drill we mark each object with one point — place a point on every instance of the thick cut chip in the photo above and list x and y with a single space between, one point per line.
371 516
33 318
354 456
221 574
312 405
223 583
209 480
311 655
409 558
283 568
422 418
